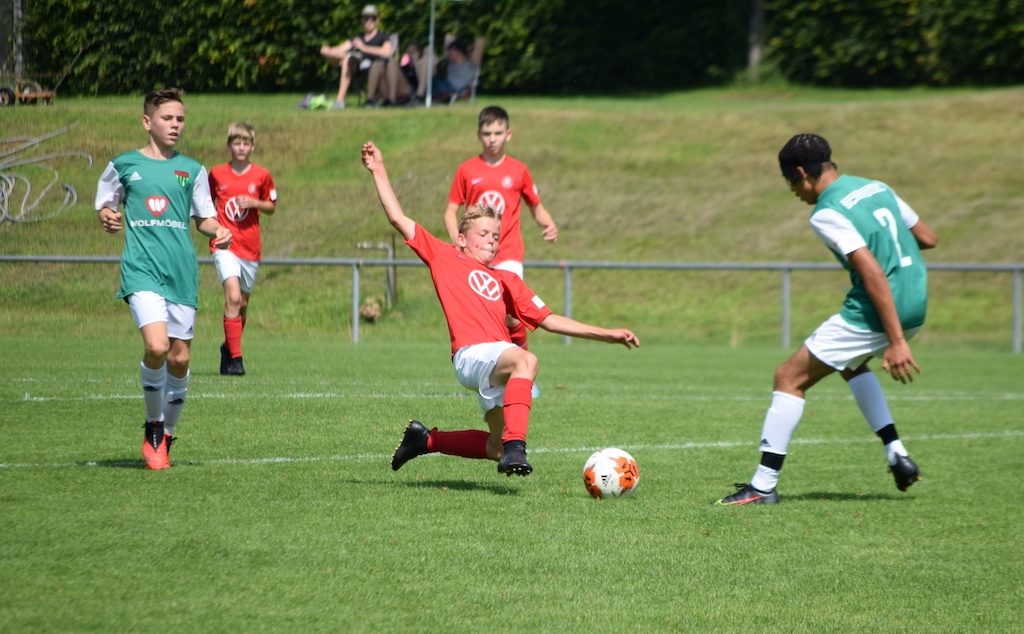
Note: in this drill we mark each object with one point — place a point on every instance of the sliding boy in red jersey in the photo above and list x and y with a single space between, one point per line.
475 300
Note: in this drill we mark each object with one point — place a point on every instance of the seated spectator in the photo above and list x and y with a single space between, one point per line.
401 78
369 52
461 65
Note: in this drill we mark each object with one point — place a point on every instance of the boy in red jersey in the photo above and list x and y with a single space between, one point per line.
241 192
497 180
475 300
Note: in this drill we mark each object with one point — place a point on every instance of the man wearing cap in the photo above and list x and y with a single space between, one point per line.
878 238
368 51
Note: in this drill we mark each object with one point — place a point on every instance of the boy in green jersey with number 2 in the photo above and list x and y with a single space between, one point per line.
160 190
878 238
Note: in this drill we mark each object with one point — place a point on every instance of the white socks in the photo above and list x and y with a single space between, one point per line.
153 385
177 390
868 393
780 422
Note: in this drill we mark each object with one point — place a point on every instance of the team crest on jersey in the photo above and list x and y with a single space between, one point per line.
253 190
507 182
234 211
157 205
182 177
484 285
494 200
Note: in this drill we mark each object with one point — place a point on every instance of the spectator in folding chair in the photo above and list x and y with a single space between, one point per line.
461 65
369 52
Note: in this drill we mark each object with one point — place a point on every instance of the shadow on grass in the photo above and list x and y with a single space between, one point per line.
833 496
497 488
117 464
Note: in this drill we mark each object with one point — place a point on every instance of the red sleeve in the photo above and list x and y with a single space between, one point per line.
522 302
268 191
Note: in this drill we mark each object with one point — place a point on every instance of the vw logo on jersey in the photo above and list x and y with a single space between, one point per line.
494 200
484 285
234 211
157 205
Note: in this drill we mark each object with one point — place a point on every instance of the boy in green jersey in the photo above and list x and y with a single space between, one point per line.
160 190
877 237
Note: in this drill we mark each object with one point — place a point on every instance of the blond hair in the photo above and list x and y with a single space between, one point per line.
475 213
241 130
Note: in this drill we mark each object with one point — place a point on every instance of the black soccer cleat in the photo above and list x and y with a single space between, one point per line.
746 494
225 356
513 459
414 443
235 367
905 472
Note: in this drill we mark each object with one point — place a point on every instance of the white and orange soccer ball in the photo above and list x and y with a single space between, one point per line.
611 473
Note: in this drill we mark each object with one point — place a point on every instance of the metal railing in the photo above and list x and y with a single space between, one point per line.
784 268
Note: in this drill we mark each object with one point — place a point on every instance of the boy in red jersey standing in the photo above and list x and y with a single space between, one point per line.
497 180
241 191
475 300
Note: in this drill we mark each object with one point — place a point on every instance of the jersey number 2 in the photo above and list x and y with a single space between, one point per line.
885 218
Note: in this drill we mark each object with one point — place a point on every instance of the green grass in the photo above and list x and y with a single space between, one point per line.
281 512
687 176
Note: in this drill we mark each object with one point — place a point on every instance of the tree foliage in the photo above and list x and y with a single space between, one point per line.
535 46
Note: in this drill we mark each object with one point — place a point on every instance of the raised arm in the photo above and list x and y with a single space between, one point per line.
373 160
567 326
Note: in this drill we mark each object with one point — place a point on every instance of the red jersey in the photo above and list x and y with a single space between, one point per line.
502 187
474 298
244 224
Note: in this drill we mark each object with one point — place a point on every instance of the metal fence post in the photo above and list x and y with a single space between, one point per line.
1017 311
786 290
355 302
567 282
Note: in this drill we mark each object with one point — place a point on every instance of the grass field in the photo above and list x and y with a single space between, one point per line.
281 512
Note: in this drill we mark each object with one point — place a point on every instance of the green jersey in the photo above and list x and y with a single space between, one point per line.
159 198
856 212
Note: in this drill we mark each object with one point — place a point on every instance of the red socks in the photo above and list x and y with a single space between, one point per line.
471 443
233 336
518 400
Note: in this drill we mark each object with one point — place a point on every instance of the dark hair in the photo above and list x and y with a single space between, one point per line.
459 45
491 114
158 98
808 151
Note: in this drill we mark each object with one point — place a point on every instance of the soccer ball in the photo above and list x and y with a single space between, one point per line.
611 473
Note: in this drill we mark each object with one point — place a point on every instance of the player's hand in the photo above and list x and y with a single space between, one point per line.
372 158
549 233
246 202
626 338
897 361
110 219
222 239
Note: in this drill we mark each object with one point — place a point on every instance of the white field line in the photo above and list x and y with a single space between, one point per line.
539 450
932 396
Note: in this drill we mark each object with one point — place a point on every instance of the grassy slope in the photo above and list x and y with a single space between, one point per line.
682 177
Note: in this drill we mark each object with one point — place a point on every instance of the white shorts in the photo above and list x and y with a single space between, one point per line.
147 308
473 367
511 266
230 265
838 344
